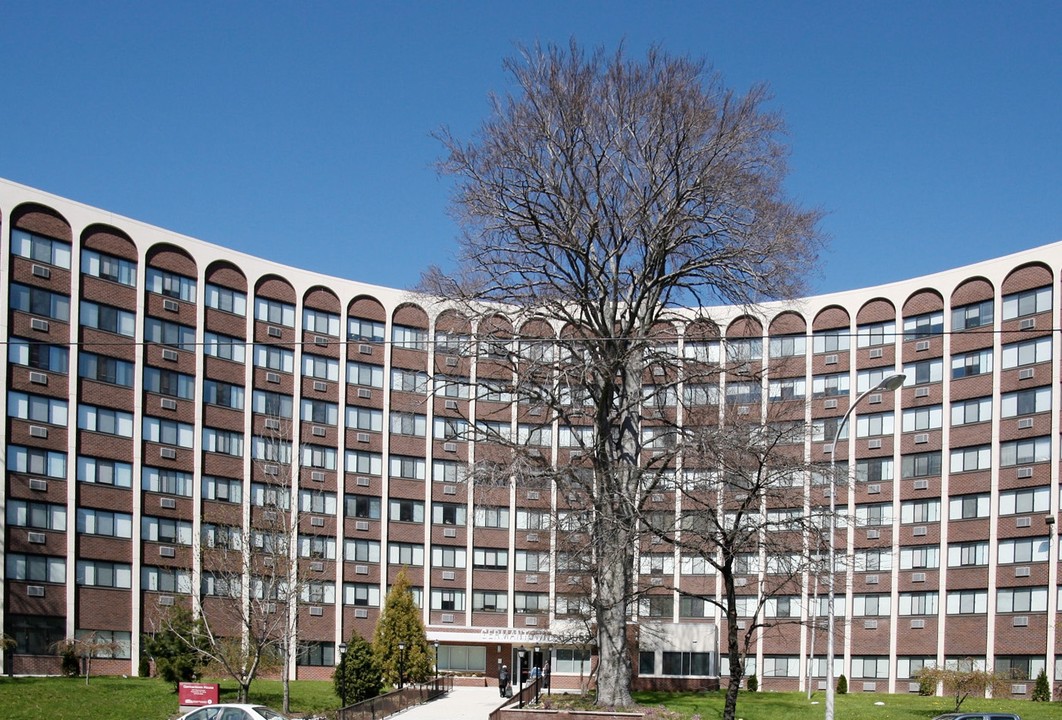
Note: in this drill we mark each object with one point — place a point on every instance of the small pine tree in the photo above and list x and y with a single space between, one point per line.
1042 690
842 685
357 677
400 623
752 683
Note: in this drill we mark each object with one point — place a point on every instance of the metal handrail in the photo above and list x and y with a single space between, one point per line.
390 703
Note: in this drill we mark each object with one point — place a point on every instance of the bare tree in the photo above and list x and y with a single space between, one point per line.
88 645
599 198
969 677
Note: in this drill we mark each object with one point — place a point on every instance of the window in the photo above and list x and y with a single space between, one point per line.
104 472
971 458
972 363
490 559
452 343
788 346
1027 353
40 248
448 514
967 554
43 516
37 301
1029 302
926 371
528 602
362 551
460 659
226 442
222 489
1019 452
1025 500
270 449
490 601
171 482
874 515
409 337
700 394
325 413
319 456
408 424
163 332
408 467
972 316
106 369
446 556
168 382
830 385
920 511
317 546
535 435
1023 550
405 554
274 358
923 556
491 517
531 561
365 330
409 381
686 663
272 404
872 560
876 334
40 356
98 573
1031 599
318 654
874 425
967 602
361 506
874 470
787 389
365 375
918 603
920 465
705 352
1025 402
965 412
274 312
226 300
361 595
170 284
105 420
571 661
315 501
831 341
871 605
743 350
452 387
532 520
655 606
107 318
364 463
448 600
36 461
319 367
168 432
870 667
37 408
104 522
448 471
320 322
166 580
921 326
165 530
574 605
968 507
407 511
922 418
223 394
36 568
224 347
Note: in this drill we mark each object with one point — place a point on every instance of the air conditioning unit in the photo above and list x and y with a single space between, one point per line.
531 579
449 489
320 386
449 532
918 624
169 355
170 305
913 686
873 579
364 393
830 404
36 538
1023 522
320 340
1019 689
38 324
272 377
361 525
658 371
317 567
450 404
166 600
448 617
1021 571
450 447
361 613
361 569
269 516
36 431
272 424
740 624
274 331
35 590
365 349
316 611
1021 621
870 687
167 552
318 431
448 575
1026 373
831 359
38 484
451 362
167 503
270 608
38 378
743 410
1025 423
921 485
531 621
875 353
317 521
921 345
919 531
362 482
921 438
1025 472
363 437
1027 324
874 444
874 399
270 469
870 624
317 476
873 534
873 489
918 577
41 271
167 453
575 579
533 495
656 581
532 537
168 404
921 392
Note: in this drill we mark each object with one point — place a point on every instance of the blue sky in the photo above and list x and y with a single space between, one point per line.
930 132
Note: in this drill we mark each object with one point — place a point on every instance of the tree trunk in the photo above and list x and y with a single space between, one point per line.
614 666
733 648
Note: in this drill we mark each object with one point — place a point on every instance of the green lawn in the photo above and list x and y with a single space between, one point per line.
853 706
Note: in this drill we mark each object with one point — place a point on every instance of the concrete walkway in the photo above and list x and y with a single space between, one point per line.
461 703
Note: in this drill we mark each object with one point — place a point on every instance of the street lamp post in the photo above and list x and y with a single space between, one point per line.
436 666
520 676
538 675
401 664
343 669
888 383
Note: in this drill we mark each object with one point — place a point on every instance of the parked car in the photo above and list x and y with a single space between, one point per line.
234 711
977 716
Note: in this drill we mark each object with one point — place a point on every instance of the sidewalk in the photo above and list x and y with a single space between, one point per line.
461 703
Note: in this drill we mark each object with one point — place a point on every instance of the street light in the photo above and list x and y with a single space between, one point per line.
436 665
520 675
889 383
401 664
343 670
538 673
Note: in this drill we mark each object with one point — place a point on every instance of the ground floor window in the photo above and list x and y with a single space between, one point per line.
570 660
687 663
36 635
106 643
781 666
462 658
318 654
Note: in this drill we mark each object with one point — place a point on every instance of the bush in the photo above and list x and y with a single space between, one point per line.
1042 691
69 666
752 683
842 685
927 686
144 669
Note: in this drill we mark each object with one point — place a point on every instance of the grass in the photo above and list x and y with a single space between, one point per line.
116 698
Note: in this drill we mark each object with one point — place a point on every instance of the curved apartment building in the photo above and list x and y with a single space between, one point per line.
145 368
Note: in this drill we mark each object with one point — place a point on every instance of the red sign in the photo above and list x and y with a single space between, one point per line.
195 694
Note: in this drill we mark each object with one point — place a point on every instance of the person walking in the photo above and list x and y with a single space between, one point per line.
503 679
